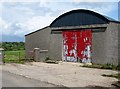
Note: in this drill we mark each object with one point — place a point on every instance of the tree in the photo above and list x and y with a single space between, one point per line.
10 46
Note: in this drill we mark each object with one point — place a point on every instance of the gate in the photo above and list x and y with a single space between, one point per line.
77 45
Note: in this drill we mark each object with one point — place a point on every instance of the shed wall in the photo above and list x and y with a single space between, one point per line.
55 50
105 45
39 39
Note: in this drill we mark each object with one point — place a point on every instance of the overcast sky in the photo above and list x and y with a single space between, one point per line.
20 17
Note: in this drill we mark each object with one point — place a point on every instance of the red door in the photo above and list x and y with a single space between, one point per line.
77 45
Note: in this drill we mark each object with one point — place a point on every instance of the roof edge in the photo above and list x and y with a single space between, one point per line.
115 21
93 26
36 31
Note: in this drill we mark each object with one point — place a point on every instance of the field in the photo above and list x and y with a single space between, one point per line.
14 56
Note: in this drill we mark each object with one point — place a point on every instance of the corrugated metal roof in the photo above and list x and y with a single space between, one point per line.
77 18
80 17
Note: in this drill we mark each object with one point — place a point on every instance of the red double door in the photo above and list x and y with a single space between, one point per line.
77 45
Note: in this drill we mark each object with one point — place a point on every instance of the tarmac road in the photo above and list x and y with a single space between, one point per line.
63 74
13 80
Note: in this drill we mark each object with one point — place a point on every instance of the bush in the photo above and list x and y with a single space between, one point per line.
13 46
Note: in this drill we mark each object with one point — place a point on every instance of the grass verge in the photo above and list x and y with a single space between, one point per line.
103 66
14 56
112 75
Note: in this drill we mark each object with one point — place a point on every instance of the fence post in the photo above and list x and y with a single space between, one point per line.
19 55
2 60
36 54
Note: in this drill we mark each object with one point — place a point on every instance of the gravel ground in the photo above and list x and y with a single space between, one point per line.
65 73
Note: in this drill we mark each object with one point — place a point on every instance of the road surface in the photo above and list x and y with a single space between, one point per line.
66 74
12 80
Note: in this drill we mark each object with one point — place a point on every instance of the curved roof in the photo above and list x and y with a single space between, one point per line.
80 17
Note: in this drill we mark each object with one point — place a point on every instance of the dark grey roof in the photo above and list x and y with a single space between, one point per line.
80 17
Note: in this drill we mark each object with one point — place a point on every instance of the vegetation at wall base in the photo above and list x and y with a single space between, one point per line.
117 84
48 60
112 75
103 66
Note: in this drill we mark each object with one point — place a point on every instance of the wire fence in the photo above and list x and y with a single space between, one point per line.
14 56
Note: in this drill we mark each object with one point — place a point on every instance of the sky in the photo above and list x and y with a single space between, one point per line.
20 17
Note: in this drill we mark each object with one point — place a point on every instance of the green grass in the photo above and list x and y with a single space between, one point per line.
103 66
48 60
14 56
112 75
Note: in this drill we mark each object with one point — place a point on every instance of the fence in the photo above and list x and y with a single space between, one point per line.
14 56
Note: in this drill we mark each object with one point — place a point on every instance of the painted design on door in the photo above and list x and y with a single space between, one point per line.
77 45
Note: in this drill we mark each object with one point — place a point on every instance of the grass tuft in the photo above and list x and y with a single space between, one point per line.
48 60
103 66
112 75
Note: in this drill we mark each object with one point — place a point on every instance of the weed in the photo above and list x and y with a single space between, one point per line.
112 75
48 60
103 66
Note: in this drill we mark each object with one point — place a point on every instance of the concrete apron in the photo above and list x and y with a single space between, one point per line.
65 73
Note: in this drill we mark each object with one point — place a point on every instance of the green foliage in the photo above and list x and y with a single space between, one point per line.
48 60
13 46
0 45
103 66
112 75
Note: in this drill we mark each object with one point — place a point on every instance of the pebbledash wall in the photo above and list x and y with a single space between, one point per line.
105 37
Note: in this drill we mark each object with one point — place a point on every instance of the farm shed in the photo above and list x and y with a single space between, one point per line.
77 36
